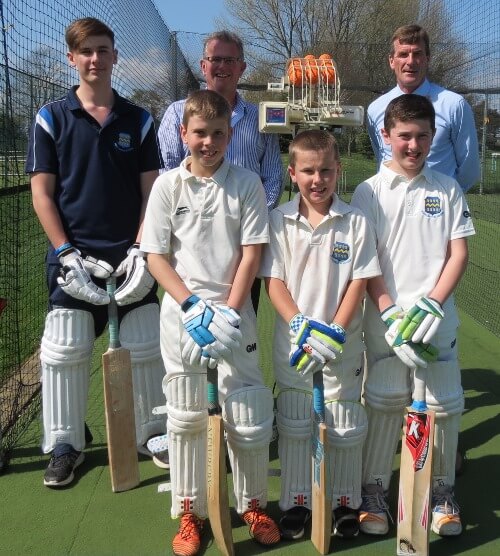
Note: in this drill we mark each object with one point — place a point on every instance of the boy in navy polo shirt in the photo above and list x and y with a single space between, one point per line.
92 160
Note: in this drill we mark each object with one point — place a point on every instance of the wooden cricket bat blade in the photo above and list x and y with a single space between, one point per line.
217 495
120 419
414 499
321 528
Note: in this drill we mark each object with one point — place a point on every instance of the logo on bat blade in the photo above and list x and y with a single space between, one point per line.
417 430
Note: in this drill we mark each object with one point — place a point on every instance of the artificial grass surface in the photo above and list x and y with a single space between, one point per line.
87 518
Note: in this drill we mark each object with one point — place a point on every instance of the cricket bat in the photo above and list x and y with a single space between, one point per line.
119 405
416 474
321 529
217 496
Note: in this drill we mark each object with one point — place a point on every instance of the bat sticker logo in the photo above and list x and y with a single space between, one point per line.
417 432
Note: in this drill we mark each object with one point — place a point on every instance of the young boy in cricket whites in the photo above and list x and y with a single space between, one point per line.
204 228
93 158
421 221
320 255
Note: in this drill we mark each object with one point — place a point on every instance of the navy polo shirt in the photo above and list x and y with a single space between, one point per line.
97 170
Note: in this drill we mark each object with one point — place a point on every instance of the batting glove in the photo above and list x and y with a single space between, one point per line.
412 354
317 343
138 281
75 279
327 339
213 331
422 320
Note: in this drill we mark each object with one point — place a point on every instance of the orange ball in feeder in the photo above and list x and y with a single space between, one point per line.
295 72
311 69
327 69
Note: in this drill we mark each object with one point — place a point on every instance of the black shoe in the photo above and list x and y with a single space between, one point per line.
293 523
345 522
61 465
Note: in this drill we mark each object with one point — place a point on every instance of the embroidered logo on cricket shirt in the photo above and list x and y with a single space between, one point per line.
124 142
181 210
341 253
432 207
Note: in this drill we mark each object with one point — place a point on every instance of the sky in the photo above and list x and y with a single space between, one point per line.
197 16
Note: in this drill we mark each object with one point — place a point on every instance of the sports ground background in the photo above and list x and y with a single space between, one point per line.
155 68
87 518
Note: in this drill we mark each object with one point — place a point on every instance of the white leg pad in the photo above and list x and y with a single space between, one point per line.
248 419
140 333
445 397
65 355
187 443
347 426
294 447
386 395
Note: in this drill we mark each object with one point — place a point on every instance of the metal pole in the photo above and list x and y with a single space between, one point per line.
483 144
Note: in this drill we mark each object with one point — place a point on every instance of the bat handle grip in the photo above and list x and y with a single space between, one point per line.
419 402
319 396
114 330
212 391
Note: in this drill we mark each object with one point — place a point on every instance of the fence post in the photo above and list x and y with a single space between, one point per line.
483 144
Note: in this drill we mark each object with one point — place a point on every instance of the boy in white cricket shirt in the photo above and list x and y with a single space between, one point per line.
320 255
203 231
421 222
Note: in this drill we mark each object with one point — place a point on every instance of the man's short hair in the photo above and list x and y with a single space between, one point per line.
82 29
225 36
407 108
410 34
313 140
206 104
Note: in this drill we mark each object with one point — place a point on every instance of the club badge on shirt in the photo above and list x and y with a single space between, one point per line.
124 142
432 207
341 253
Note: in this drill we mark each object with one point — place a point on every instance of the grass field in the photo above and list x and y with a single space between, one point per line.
87 519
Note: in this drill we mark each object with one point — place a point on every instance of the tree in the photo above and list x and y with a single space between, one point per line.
152 100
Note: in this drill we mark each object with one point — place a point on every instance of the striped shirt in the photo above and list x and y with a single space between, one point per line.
249 148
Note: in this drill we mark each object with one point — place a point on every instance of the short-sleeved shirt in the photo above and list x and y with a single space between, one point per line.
454 150
248 147
316 264
201 223
414 221
97 169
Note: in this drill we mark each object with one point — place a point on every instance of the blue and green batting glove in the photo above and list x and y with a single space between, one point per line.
422 320
327 339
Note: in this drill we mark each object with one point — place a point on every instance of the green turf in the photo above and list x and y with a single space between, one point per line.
86 518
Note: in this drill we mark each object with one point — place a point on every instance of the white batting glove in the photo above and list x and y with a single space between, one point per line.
213 331
412 354
138 282
422 320
75 279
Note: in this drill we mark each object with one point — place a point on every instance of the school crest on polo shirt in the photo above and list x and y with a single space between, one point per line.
432 207
124 142
341 252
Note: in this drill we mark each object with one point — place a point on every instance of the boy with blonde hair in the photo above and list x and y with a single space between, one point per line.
204 229
320 255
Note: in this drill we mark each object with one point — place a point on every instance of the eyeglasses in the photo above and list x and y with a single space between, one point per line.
229 60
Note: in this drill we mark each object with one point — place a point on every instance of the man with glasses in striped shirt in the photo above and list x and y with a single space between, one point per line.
222 65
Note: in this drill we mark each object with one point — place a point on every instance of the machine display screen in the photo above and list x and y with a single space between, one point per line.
275 115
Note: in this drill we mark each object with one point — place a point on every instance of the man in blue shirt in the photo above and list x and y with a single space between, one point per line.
454 150
222 65
92 160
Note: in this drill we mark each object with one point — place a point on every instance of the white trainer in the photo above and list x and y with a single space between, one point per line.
445 513
374 511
